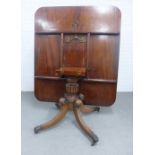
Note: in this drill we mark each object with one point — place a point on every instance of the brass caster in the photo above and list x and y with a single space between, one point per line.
37 129
94 139
57 105
97 109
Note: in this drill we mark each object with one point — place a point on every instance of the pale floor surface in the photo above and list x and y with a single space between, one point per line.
113 125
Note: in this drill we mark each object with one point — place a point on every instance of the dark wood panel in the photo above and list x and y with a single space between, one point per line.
102 57
74 52
71 19
99 93
49 90
95 93
47 55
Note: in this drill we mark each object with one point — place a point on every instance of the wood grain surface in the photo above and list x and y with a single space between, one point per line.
86 37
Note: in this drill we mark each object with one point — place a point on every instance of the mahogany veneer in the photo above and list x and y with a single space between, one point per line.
85 37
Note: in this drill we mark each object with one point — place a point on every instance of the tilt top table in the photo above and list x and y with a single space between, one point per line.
76 60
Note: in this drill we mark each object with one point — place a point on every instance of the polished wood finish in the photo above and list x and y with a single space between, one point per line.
76 53
86 109
76 107
72 101
78 19
84 126
78 37
56 119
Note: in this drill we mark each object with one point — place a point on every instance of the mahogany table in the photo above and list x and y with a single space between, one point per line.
76 60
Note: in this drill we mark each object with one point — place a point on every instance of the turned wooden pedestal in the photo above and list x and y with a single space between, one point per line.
72 101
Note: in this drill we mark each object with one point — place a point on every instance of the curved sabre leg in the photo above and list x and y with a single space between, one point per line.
86 109
83 125
55 120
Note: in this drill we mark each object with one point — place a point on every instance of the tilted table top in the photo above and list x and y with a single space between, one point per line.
86 37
